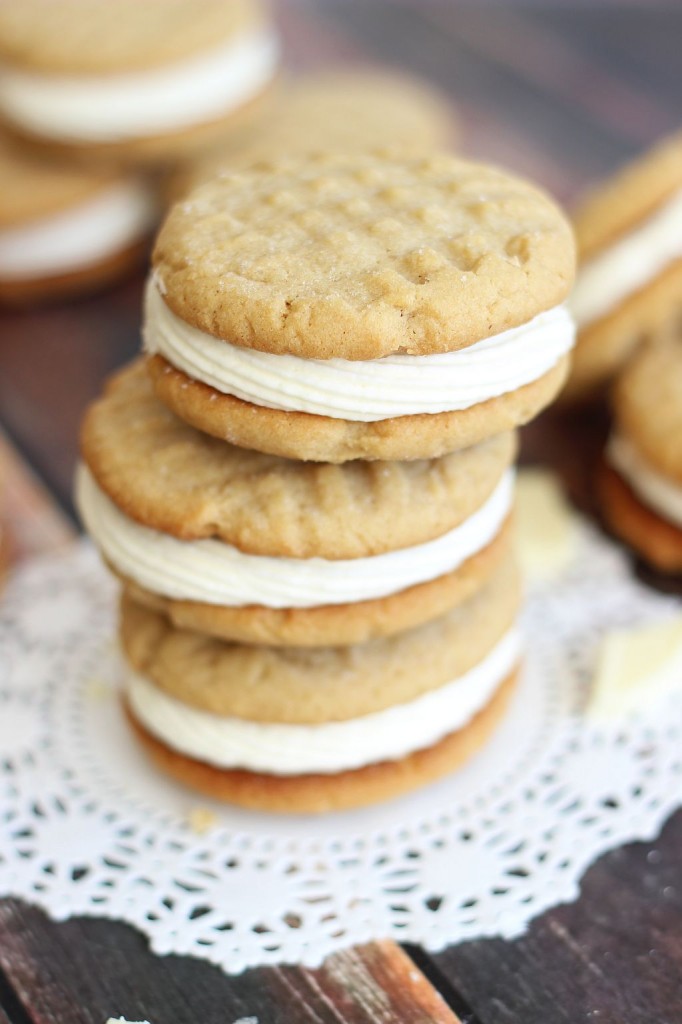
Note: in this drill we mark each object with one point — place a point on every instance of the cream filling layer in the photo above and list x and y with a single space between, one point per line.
113 108
333 747
362 390
214 572
623 268
657 491
80 236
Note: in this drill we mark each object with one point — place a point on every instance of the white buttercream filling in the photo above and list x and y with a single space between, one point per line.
630 263
80 236
657 491
363 390
333 747
214 572
113 108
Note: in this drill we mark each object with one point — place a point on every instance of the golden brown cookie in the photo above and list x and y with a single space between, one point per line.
345 110
64 230
619 226
32 188
657 541
647 405
339 624
605 347
167 476
362 256
77 37
316 794
130 82
300 435
640 483
615 206
271 684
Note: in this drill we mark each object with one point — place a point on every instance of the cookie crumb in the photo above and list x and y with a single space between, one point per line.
201 820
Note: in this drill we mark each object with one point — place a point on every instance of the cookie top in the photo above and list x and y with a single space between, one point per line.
342 110
647 404
74 37
271 684
32 187
614 207
170 477
364 255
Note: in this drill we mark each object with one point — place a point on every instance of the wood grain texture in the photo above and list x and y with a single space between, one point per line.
612 957
83 971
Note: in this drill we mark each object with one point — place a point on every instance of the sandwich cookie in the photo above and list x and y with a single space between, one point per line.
296 730
360 307
629 284
133 81
341 111
260 549
640 485
64 230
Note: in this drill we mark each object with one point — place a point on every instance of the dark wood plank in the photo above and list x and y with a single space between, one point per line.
5 1019
613 957
82 971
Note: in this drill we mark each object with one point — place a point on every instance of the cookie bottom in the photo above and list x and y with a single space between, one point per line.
78 282
299 435
606 345
657 541
156 150
335 625
315 794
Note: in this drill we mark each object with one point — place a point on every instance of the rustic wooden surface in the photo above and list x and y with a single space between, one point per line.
82 971
563 93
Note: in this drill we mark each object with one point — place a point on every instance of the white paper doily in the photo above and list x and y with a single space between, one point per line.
88 827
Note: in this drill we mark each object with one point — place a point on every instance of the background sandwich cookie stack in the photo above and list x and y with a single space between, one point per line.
336 627
629 284
640 486
66 229
133 82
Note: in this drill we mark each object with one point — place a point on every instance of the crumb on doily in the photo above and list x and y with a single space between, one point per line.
202 820
97 689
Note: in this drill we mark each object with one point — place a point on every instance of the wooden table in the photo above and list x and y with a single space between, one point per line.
564 95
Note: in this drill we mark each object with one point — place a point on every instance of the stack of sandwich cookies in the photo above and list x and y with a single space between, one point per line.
325 729
305 488
360 307
260 549
64 229
629 285
131 81
640 485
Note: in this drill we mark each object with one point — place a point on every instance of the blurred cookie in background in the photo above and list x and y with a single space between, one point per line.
130 81
344 110
629 284
65 230
4 537
640 485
